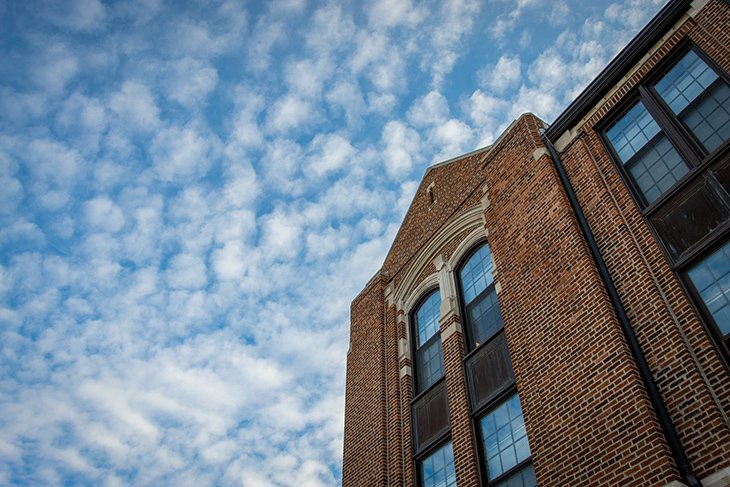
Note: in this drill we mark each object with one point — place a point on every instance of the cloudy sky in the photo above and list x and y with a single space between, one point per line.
190 197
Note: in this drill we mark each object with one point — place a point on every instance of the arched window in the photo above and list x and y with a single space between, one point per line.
495 402
479 296
429 360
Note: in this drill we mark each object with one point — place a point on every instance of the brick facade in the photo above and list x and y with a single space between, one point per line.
587 412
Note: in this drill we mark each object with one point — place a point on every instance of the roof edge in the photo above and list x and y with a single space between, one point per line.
454 159
614 70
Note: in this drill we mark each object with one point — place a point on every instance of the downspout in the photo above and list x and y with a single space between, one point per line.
670 432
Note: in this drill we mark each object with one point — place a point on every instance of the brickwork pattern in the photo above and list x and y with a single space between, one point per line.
581 394
462 431
364 454
588 418
677 375
455 187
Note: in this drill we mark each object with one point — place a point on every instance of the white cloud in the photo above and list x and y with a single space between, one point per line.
549 71
182 154
229 261
388 13
429 110
456 18
83 15
289 113
329 153
501 76
402 145
187 271
54 68
347 97
487 114
306 77
11 195
452 138
136 107
266 36
103 214
280 164
281 235
190 81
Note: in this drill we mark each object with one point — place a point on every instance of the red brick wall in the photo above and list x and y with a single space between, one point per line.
364 455
585 409
588 417
642 274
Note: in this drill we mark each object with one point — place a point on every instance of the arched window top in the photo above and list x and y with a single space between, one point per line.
477 273
428 316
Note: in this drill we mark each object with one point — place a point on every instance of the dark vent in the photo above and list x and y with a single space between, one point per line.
430 417
489 372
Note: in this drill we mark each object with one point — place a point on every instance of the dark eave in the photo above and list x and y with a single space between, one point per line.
617 68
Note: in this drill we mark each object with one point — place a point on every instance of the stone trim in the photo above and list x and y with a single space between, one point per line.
405 371
454 327
720 478
408 286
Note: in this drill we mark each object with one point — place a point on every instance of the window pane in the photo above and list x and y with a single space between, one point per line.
485 319
524 477
427 318
711 278
430 363
477 273
699 98
437 470
504 437
652 161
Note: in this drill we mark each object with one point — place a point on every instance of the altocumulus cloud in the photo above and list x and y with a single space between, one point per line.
192 194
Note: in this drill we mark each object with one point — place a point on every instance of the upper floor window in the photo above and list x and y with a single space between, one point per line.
711 280
482 316
429 360
681 116
495 402
699 98
646 153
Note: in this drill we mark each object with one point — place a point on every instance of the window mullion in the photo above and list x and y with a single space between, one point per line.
667 121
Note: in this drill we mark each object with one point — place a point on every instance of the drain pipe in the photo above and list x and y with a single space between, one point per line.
670 432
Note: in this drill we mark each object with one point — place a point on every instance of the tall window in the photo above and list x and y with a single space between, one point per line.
429 357
679 117
671 143
495 403
483 318
430 410
711 280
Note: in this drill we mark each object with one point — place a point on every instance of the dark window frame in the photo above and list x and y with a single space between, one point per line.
679 137
699 163
433 443
722 344
499 398
431 448
414 342
471 350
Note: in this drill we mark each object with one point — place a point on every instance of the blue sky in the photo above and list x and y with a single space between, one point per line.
193 194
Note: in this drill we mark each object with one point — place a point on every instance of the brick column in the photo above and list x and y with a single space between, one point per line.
393 411
405 374
452 341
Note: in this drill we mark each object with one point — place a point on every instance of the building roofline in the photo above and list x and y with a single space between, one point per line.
615 70
454 159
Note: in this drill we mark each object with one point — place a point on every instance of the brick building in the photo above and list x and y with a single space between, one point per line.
555 308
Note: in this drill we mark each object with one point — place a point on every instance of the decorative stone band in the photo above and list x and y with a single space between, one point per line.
452 328
405 371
